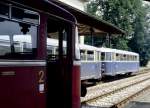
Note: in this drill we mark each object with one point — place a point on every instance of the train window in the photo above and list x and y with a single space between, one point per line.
124 57
83 54
64 32
25 15
113 56
138 57
103 56
4 10
108 56
4 44
57 35
56 51
90 55
50 49
121 57
117 57
19 38
128 58
134 58
64 51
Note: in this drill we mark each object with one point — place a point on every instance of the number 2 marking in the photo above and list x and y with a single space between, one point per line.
41 76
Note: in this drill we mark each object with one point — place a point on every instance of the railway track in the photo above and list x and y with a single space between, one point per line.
115 93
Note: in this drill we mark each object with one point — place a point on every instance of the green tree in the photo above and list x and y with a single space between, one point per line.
139 43
130 15
118 12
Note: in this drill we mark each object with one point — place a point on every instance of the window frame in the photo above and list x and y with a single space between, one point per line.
21 55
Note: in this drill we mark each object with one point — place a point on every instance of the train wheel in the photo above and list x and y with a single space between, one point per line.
83 90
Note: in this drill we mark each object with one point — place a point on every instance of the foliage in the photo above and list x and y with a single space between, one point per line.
131 16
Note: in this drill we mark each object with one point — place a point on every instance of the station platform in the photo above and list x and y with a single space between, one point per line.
141 101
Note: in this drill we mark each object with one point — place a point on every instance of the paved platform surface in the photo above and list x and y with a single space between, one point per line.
142 101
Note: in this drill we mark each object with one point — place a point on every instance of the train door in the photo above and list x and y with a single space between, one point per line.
59 63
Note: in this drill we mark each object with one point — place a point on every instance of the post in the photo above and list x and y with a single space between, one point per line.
108 40
92 41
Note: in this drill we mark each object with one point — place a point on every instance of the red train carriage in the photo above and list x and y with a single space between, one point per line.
29 76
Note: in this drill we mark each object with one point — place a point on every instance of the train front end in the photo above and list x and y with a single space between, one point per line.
29 76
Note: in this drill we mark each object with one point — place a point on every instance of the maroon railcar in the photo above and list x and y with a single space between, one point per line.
30 76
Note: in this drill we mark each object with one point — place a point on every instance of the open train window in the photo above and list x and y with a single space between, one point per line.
125 57
83 54
90 55
103 56
57 34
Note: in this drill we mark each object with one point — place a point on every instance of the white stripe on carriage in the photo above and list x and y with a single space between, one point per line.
16 63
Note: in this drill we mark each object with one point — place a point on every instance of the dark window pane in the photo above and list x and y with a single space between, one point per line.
25 15
103 56
4 10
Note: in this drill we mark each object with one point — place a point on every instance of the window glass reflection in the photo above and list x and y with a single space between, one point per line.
4 10
17 37
4 44
22 43
25 15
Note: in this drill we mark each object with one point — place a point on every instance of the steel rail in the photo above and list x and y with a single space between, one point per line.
83 102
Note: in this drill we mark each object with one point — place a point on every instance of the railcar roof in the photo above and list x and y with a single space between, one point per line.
46 7
88 47
54 42
102 49
126 52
